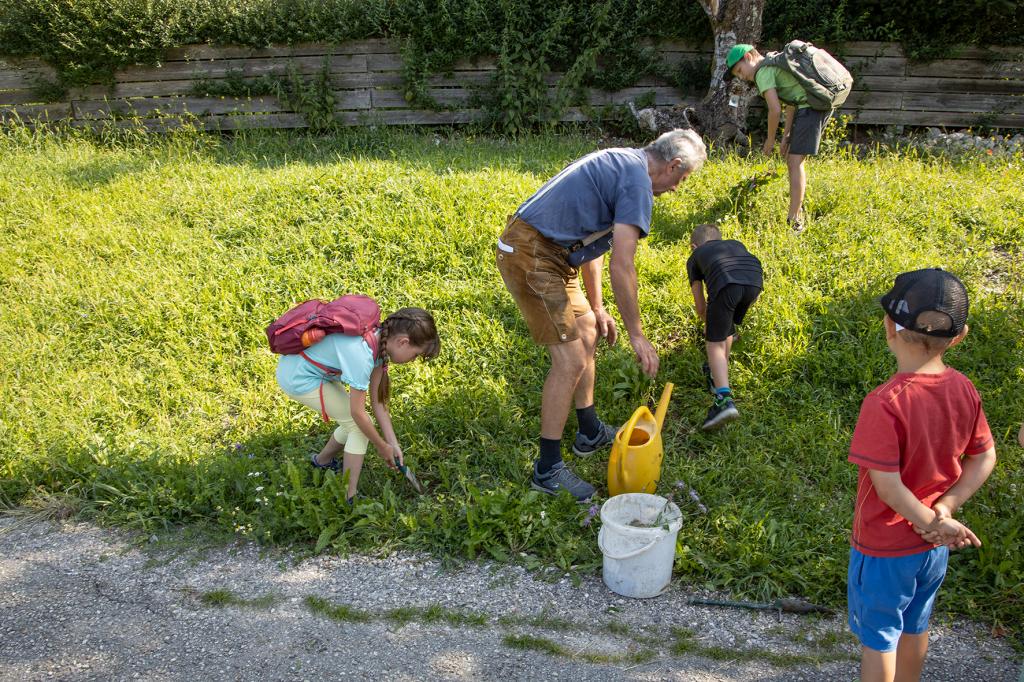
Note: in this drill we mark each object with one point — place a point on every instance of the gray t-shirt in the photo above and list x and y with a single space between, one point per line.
592 193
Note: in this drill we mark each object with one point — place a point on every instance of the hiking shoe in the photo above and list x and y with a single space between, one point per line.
796 224
722 411
707 376
560 478
332 465
584 446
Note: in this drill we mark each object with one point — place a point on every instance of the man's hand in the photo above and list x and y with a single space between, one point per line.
606 328
645 354
784 146
768 148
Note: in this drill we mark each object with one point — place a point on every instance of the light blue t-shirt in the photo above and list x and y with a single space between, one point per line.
350 354
590 194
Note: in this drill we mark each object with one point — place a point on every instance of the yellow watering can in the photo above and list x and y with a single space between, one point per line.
635 462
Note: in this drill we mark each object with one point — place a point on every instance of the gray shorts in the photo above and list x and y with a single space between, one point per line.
808 125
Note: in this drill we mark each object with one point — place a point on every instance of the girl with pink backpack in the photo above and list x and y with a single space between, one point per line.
353 360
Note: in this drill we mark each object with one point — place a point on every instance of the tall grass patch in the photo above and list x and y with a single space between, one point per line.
138 275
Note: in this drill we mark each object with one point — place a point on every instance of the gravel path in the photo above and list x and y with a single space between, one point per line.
82 603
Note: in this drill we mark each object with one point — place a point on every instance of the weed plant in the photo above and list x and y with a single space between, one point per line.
136 388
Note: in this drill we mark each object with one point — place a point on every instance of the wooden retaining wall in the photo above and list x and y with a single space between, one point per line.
979 87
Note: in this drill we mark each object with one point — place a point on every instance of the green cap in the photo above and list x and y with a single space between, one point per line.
736 54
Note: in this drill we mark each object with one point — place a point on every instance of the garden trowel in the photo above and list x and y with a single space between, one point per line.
409 475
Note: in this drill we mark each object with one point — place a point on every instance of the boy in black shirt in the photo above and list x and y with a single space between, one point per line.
734 280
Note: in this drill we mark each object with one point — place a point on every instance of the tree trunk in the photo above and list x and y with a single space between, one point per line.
733 21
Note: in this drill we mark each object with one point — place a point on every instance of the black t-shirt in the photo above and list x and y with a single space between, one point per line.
721 262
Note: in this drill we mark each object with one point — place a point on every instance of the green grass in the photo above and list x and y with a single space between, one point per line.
135 386
222 597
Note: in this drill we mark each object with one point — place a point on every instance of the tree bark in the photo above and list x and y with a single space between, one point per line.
733 21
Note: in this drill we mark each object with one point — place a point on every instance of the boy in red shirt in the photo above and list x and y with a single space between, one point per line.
923 447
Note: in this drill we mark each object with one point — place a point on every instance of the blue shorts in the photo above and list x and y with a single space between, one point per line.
887 596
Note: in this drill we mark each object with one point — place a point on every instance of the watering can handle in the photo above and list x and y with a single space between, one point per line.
627 555
625 434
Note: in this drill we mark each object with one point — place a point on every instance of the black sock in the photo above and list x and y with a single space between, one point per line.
589 423
550 454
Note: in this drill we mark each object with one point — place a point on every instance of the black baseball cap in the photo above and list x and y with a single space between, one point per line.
930 301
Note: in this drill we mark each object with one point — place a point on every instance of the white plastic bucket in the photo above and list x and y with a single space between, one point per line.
638 556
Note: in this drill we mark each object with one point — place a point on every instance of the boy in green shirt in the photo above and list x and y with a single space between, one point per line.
804 125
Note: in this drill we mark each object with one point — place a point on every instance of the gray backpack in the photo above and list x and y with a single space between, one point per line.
826 81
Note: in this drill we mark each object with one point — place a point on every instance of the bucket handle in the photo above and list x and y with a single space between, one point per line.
628 555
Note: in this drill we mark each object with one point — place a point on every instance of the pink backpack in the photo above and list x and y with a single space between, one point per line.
311 321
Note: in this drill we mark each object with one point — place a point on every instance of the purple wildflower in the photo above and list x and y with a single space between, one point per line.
591 513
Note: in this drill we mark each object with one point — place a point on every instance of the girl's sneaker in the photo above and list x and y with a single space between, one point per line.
722 411
333 465
585 446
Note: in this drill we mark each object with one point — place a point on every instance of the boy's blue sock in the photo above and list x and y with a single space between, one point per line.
550 454
723 392
588 421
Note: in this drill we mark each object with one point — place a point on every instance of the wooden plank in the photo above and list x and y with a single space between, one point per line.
677 46
880 66
935 118
967 68
384 62
352 99
171 106
395 99
860 99
663 96
937 85
212 123
408 117
36 112
969 103
865 49
193 52
393 62
18 97
247 68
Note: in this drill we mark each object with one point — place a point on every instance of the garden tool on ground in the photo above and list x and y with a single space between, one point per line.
780 605
634 465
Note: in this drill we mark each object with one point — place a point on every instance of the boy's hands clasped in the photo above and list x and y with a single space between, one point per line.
945 530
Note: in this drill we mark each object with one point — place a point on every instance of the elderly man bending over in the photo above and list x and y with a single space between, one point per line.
599 202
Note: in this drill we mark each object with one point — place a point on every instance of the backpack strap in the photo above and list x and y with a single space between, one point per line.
329 371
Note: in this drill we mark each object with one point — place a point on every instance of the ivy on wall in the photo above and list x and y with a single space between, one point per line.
592 43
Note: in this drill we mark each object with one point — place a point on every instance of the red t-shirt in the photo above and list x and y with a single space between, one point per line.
918 425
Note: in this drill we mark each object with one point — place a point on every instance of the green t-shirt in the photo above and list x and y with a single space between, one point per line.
786 85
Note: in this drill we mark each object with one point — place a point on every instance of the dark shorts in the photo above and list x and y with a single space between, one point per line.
543 284
808 126
727 309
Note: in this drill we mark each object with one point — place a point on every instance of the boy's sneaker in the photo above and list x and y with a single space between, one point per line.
707 376
796 224
560 478
584 446
723 410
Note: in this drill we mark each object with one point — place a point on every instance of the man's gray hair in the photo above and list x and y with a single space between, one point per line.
681 144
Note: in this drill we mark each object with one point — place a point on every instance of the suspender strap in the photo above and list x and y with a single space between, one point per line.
589 239
329 371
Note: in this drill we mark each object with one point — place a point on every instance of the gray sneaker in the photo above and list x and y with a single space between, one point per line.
560 478
584 446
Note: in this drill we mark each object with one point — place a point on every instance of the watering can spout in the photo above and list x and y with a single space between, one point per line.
659 414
